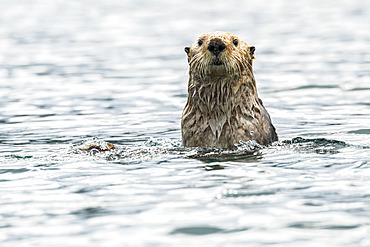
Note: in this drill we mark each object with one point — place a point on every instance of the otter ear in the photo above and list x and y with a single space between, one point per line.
251 51
187 49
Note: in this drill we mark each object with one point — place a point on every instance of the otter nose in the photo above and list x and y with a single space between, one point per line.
216 46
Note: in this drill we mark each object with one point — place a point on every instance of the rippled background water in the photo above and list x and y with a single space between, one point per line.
74 73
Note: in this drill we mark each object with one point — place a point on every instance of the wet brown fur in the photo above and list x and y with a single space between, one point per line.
223 107
98 148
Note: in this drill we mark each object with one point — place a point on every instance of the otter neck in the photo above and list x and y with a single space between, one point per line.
220 94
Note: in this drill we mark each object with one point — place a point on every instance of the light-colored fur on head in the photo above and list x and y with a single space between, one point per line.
235 58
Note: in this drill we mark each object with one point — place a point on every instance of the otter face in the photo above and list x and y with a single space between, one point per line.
219 54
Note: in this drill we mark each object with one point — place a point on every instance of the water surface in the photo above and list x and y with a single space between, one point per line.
73 73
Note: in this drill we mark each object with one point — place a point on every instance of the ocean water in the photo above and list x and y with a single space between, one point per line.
81 73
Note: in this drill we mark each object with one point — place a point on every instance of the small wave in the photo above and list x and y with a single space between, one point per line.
360 131
317 145
244 150
156 147
249 151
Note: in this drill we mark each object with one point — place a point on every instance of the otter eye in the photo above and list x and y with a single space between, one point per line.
200 42
235 41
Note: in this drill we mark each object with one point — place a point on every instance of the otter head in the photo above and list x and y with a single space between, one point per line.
219 54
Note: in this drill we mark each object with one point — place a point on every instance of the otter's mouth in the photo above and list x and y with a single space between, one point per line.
218 62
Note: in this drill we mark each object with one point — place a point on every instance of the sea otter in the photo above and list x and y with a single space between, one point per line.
223 107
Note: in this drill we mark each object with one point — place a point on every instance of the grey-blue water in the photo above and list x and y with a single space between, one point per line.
75 73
